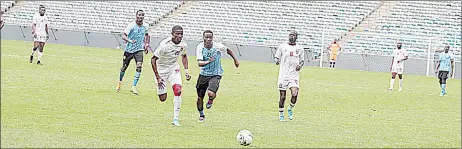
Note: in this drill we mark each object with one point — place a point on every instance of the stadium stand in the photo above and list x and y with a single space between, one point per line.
265 23
6 5
92 16
441 20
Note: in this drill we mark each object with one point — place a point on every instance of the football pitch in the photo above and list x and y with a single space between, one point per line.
71 101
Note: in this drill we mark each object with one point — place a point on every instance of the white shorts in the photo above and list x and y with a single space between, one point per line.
173 77
284 84
397 69
41 38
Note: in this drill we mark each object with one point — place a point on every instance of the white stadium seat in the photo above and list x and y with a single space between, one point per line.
264 23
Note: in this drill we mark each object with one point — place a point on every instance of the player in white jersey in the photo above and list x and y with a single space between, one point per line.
40 33
290 57
166 68
397 66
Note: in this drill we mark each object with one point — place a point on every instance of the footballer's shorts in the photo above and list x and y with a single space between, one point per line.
287 83
443 74
397 69
173 77
40 38
204 83
138 56
333 57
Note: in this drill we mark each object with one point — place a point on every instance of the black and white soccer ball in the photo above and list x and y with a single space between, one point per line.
244 137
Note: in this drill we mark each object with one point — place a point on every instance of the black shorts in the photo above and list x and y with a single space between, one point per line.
204 83
443 74
129 56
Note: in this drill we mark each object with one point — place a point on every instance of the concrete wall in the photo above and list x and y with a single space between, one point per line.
251 53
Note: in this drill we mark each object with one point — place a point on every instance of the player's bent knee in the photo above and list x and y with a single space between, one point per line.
139 66
295 93
123 68
393 75
177 89
163 97
40 48
211 94
200 99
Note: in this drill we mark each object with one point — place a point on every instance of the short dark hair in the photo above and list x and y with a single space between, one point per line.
207 31
139 11
176 27
41 6
296 33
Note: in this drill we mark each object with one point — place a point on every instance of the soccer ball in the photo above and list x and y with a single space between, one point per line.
244 137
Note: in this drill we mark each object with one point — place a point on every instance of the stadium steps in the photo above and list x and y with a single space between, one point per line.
181 10
371 20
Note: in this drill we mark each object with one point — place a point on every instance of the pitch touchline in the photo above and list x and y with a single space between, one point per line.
67 59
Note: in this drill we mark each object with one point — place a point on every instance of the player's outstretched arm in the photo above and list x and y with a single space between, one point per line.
125 38
147 41
184 60
278 55
406 56
156 73
452 66
2 24
156 54
127 31
230 52
46 30
203 63
301 60
437 66
200 58
34 22
392 61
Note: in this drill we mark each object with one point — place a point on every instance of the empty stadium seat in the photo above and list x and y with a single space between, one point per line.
6 5
267 23
96 16
416 21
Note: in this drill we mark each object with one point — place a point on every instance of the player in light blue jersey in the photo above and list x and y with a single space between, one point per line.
445 66
209 54
137 38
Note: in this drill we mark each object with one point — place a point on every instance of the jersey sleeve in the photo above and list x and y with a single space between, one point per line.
184 49
278 53
199 55
221 47
159 50
129 28
406 53
34 19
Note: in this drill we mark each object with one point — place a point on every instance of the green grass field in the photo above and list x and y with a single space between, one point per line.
71 101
